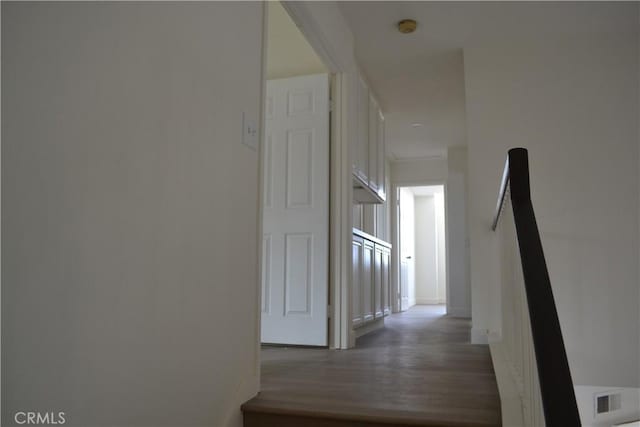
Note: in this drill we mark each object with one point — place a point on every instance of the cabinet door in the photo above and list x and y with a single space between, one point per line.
386 282
377 282
381 165
363 131
356 280
367 280
373 144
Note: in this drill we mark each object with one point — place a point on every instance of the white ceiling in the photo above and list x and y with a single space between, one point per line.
419 77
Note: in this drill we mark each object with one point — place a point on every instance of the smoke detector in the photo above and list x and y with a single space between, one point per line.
407 26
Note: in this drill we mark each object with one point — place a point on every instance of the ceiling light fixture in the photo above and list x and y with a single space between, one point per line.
407 26
416 125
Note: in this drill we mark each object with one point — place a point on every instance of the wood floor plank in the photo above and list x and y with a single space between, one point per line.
420 370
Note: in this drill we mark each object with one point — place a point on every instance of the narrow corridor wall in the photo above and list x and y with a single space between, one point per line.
574 104
130 211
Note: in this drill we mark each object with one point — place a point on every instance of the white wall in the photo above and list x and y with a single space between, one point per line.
129 214
573 103
419 172
459 296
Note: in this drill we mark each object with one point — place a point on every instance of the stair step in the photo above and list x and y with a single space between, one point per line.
258 413
259 419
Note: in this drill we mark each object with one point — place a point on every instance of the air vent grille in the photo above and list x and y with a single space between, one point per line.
608 402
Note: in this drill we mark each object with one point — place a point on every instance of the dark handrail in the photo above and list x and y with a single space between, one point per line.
556 387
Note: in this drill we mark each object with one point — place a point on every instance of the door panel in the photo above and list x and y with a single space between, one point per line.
367 280
297 278
386 280
296 215
407 248
382 155
404 285
266 274
373 144
356 295
299 176
377 283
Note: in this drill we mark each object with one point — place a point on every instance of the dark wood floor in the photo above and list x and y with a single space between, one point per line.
419 370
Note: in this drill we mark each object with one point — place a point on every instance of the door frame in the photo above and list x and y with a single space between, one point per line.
340 191
395 238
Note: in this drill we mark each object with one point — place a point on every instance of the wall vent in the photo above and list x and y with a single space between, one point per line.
607 402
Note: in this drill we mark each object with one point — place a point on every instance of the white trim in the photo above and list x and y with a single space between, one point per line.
260 213
429 301
341 193
309 28
447 247
340 219
396 159
459 312
420 183
395 250
479 336
369 327
395 240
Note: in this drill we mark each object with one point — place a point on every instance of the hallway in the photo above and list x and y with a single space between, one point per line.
419 370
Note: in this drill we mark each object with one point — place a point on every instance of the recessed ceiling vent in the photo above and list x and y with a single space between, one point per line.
407 26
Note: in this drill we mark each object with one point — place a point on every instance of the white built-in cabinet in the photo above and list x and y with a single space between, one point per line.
371 279
369 148
361 159
371 276
374 112
367 280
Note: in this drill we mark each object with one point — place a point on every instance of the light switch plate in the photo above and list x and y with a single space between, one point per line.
249 131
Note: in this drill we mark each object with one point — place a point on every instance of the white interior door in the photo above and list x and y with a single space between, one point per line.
404 285
407 248
296 211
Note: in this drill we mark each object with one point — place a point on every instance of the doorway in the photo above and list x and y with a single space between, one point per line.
422 245
295 178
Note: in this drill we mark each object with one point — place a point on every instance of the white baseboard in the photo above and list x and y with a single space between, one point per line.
479 336
459 312
245 390
429 301
370 327
352 338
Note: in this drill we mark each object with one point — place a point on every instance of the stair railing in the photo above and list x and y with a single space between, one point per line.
531 333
